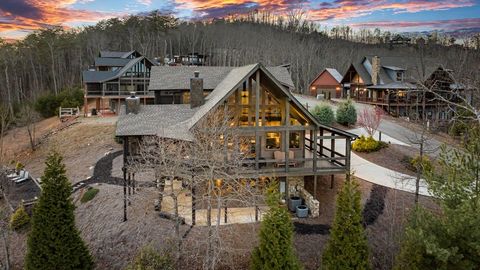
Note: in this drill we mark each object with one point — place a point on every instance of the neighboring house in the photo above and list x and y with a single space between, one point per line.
278 129
112 78
393 83
327 83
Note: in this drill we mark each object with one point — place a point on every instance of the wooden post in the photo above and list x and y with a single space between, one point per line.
257 120
287 135
194 203
124 169
321 141
133 181
332 147
315 178
226 214
348 146
314 150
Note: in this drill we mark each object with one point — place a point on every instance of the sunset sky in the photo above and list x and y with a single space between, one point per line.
19 17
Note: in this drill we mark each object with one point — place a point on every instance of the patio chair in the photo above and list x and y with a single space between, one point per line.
280 157
21 180
19 176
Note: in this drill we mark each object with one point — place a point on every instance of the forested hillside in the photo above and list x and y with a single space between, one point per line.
52 59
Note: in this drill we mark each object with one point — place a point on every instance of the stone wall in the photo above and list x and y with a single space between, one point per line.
296 187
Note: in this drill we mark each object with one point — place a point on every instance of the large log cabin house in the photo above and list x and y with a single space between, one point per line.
398 85
278 127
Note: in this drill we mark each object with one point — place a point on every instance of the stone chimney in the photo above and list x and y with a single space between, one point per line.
375 70
132 103
196 91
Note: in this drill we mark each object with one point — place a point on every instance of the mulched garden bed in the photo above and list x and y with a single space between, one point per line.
394 157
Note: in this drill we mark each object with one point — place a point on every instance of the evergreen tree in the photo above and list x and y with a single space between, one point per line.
54 242
275 251
450 240
347 247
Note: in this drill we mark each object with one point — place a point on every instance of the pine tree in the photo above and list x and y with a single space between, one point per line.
347 247
54 242
275 250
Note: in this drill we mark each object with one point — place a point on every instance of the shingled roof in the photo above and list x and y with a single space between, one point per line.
178 77
94 76
111 62
176 121
114 54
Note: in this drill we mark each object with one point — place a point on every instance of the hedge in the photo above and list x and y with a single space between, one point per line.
367 144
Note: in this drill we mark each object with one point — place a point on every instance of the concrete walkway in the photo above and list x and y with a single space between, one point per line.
370 171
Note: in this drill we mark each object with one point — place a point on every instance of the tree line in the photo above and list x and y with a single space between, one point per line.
52 59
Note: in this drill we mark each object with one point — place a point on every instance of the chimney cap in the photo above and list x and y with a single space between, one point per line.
196 73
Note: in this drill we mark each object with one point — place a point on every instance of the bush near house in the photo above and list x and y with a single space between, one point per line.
346 113
19 219
89 195
367 144
324 114
48 104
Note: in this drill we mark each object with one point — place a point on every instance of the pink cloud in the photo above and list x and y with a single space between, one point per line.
448 25
344 9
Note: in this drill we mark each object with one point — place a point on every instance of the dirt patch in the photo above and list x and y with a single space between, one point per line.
81 145
394 157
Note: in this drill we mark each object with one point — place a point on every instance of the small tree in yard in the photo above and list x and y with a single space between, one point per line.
324 114
275 250
347 247
346 113
54 242
369 119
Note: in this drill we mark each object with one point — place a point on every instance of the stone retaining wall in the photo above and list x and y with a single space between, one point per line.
296 187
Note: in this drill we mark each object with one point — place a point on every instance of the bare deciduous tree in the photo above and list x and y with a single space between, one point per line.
370 119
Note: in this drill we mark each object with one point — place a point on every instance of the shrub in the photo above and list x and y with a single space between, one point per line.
89 195
424 163
48 105
346 113
367 144
19 166
150 259
324 114
19 219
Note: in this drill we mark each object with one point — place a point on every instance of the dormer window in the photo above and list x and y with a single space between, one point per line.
399 76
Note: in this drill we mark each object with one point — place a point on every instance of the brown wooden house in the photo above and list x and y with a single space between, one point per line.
327 83
393 83
112 78
279 129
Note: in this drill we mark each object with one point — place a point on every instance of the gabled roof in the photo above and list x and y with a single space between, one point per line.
178 77
113 54
333 72
177 127
111 62
104 76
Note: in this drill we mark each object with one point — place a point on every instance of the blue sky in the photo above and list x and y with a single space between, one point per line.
19 17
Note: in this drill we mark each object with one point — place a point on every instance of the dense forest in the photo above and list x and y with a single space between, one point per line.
52 59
